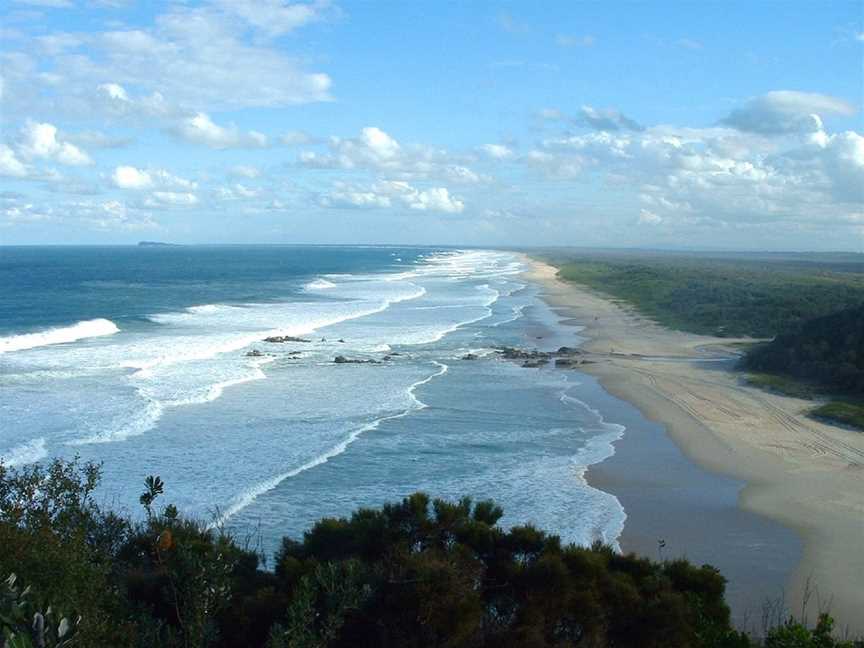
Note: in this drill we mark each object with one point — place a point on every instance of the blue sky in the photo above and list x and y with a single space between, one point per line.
678 124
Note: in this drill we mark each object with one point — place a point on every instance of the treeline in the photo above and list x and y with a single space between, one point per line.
718 296
415 574
827 351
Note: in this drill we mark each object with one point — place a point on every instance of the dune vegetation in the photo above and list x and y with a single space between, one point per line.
417 573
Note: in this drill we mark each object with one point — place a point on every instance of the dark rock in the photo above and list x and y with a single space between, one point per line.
535 364
565 362
469 356
568 351
281 339
341 340
343 360
254 353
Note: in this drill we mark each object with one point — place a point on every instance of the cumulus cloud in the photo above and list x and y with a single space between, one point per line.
236 191
171 199
111 215
786 111
10 165
276 17
390 193
555 165
296 138
498 151
606 120
718 177
245 171
96 139
133 178
40 140
128 177
377 150
113 100
200 129
174 63
647 217
346 197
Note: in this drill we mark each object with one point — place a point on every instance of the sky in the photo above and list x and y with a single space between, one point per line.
683 125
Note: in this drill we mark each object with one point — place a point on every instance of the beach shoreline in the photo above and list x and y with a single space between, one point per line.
801 473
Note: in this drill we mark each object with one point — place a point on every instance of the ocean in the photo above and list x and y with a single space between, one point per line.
152 360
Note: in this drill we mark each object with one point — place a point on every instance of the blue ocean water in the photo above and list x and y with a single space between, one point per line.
138 357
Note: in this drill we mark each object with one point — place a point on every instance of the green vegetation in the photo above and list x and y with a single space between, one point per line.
850 414
812 307
718 295
416 574
828 351
781 385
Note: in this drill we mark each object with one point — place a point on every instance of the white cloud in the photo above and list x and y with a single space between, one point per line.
391 193
346 198
296 138
555 166
647 217
171 199
237 191
112 99
128 177
786 111
10 165
377 150
40 140
276 17
200 129
245 171
498 151
606 120
218 55
435 199
718 177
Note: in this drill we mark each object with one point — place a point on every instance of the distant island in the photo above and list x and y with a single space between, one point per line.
156 244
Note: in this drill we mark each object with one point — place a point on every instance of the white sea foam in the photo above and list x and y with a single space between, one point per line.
26 453
80 331
597 449
518 312
319 284
139 423
251 494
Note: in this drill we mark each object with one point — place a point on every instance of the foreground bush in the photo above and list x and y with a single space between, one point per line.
416 574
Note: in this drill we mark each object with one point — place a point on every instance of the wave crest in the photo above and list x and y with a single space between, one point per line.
319 284
26 453
61 335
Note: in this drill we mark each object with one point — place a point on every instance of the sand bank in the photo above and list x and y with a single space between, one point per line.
802 473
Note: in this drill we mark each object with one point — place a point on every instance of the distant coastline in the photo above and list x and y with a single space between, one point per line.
157 244
799 472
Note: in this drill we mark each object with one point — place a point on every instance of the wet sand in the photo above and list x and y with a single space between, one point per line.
795 471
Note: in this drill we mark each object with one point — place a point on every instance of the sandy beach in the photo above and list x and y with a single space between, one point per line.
799 472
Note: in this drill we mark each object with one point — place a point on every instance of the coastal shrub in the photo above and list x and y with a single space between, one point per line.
418 573
717 296
828 351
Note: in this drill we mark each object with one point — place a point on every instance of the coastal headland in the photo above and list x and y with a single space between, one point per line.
800 472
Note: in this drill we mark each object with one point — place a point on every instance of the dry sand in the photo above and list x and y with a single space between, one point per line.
798 471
